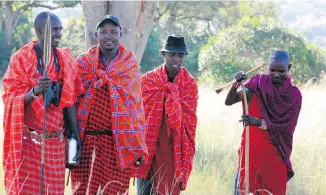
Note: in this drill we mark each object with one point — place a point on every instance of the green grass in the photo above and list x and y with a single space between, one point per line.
218 138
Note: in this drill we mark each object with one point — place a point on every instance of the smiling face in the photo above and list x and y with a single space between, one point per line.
56 31
173 62
56 28
108 36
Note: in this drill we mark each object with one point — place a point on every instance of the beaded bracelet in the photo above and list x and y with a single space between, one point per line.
263 125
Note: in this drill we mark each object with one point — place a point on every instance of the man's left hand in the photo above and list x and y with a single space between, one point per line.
249 120
181 186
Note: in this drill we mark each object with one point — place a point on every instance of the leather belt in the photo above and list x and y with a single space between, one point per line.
106 132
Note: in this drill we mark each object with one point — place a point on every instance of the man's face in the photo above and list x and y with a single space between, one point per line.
173 62
278 69
56 31
108 36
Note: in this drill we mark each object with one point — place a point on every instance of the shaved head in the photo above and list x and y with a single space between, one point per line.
41 18
279 56
56 27
279 66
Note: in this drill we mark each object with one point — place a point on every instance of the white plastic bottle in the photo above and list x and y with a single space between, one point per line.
72 150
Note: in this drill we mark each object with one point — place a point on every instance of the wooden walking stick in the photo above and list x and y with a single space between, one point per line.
218 90
245 103
46 61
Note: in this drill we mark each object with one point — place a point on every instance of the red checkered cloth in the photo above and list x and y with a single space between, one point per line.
105 170
180 104
20 77
54 165
128 119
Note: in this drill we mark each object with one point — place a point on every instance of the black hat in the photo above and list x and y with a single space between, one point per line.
110 18
175 44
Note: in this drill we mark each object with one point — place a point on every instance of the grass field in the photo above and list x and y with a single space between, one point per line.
218 138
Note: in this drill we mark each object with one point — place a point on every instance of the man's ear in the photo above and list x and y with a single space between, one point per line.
38 30
96 34
290 65
121 34
163 53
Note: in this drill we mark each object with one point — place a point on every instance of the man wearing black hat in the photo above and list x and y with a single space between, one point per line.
170 97
110 114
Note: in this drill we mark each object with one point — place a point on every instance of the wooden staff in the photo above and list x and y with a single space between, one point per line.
218 90
245 103
46 61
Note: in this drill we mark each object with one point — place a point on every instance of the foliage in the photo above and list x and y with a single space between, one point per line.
152 57
16 24
242 46
197 21
74 35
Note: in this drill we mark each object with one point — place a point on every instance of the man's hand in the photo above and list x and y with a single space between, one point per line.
181 186
42 86
240 76
250 121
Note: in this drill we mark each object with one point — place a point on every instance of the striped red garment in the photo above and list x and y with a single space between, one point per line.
180 104
128 119
20 77
102 173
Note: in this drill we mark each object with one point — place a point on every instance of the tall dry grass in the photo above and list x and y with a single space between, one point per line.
218 138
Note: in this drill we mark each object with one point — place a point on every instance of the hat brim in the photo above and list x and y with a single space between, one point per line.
107 20
175 51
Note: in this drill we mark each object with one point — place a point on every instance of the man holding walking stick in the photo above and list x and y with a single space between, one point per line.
274 106
25 84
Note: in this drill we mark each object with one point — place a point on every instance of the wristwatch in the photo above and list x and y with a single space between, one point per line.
33 94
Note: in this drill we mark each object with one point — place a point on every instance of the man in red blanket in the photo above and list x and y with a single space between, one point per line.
274 107
24 84
111 117
170 97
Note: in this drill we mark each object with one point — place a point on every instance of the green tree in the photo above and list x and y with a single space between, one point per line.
74 35
15 24
21 35
197 21
242 46
152 57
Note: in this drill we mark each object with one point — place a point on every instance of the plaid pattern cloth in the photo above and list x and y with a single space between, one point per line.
105 171
20 77
180 102
54 165
280 107
128 120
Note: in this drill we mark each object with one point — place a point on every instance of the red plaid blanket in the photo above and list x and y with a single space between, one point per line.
20 77
128 120
180 101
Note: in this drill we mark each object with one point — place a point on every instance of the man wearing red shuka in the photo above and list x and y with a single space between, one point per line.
274 107
24 84
170 97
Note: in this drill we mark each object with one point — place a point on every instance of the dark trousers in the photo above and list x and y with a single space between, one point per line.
236 184
144 187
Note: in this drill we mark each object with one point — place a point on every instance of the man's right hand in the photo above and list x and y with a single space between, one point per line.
42 86
240 76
